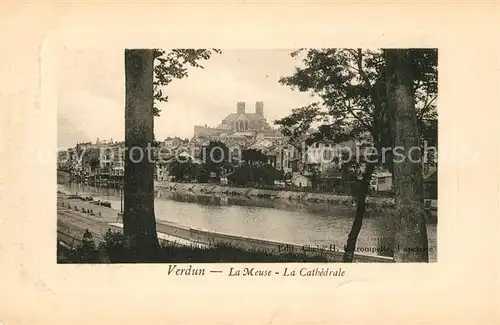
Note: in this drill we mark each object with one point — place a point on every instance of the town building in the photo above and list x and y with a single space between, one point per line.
301 181
162 171
173 142
240 126
381 181
322 156
85 145
287 158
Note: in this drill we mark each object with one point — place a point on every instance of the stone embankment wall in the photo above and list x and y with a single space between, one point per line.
208 189
211 238
252 244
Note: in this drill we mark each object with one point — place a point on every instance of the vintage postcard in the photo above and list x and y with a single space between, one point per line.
255 155
250 170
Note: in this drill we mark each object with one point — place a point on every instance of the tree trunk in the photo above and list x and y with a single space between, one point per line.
360 212
304 158
410 242
139 224
251 172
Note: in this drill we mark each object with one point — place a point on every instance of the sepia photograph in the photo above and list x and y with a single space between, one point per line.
249 163
317 155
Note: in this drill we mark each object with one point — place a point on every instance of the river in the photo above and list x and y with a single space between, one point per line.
315 224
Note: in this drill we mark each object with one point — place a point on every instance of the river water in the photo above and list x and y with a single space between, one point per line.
314 224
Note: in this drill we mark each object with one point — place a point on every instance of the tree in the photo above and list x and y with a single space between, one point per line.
94 163
267 174
146 72
411 244
241 175
315 178
174 64
139 224
253 158
89 157
186 170
214 156
201 174
178 169
296 128
352 105
262 174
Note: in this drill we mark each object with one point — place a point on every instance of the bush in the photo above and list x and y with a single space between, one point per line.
113 250
82 253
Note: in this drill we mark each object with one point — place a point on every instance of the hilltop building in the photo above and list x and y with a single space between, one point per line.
240 126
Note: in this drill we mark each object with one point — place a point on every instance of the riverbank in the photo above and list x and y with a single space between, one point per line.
214 189
72 221
115 252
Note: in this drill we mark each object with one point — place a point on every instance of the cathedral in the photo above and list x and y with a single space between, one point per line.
240 125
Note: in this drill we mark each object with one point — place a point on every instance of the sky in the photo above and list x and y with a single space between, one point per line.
90 86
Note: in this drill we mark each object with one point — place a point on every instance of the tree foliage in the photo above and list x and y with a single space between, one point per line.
246 174
215 155
254 156
188 171
349 85
90 157
174 64
146 73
